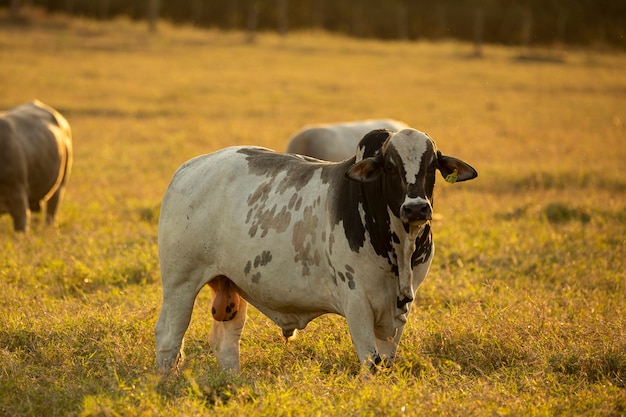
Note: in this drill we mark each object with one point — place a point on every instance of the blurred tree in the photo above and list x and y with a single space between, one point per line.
283 19
253 20
153 14
583 22
15 9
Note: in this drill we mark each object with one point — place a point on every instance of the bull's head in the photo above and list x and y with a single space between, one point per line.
404 164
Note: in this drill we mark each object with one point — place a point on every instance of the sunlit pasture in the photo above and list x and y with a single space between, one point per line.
523 312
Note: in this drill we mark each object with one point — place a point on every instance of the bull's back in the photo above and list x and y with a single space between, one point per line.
205 202
44 139
222 215
337 142
201 184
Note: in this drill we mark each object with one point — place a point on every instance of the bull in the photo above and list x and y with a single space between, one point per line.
297 237
35 162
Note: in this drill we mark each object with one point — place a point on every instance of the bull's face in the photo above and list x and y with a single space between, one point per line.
405 164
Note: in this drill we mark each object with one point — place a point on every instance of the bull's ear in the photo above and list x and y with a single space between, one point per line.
454 170
366 170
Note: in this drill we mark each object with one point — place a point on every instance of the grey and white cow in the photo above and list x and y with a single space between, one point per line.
35 161
336 142
298 238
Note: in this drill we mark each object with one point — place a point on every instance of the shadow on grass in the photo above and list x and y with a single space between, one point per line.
608 365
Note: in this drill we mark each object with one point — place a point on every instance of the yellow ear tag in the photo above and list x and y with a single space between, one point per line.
453 177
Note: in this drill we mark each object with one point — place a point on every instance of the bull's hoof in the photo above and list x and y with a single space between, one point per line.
171 367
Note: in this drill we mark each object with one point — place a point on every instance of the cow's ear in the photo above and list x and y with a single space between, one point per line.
366 170
454 170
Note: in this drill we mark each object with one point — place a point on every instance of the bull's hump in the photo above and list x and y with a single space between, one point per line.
298 170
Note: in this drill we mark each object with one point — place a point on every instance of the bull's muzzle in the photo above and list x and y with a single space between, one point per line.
403 302
419 211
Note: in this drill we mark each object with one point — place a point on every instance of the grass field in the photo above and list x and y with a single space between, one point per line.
523 312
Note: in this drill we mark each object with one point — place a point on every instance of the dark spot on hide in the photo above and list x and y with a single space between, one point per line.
423 247
246 270
330 265
266 257
304 240
269 219
292 201
347 276
269 164
261 193
349 269
252 231
256 277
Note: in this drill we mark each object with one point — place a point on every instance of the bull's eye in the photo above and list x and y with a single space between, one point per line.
390 168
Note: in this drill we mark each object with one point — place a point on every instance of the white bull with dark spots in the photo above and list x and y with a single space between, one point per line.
337 141
298 238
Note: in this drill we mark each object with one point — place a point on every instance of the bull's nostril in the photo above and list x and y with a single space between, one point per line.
426 212
401 303
420 211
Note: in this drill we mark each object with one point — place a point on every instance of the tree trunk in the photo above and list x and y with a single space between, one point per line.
527 30
283 17
233 19
318 14
358 26
479 25
153 14
15 9
253 16
442 23
103 12
69 6
402 21
197 12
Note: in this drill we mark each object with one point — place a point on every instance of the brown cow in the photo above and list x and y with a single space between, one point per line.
35 161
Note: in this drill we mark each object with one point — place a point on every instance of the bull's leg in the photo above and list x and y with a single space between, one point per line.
225 336
18 209
57 197
52 205
361 324
178 301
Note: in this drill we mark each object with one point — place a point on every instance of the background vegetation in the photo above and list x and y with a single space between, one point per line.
522 313
513 22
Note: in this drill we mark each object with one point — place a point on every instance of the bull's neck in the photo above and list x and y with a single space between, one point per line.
407 248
